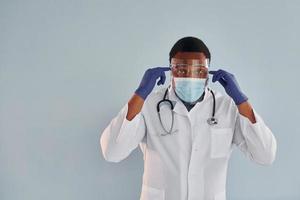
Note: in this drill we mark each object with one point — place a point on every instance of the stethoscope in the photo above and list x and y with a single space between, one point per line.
211 120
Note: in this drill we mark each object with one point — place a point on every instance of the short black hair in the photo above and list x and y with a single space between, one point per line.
189 44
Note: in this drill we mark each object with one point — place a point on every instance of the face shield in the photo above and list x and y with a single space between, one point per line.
190 77
193 68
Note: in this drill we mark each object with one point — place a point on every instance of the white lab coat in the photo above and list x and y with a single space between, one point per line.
190 164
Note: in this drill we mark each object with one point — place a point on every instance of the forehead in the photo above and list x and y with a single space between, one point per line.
190 58
190 55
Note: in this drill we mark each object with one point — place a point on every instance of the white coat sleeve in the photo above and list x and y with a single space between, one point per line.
255 140
122 136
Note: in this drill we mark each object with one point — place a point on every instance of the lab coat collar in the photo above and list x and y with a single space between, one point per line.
179 107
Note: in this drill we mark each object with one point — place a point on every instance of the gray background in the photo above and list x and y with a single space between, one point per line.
67 68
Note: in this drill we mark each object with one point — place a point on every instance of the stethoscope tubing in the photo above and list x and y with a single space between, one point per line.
211 121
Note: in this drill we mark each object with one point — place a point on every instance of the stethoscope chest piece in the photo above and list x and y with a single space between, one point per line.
212 121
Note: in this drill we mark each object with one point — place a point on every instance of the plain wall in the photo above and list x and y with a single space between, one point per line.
68 67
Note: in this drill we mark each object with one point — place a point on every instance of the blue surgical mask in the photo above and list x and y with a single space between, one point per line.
189 89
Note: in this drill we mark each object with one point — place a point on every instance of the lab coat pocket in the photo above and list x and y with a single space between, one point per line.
151 193
221 139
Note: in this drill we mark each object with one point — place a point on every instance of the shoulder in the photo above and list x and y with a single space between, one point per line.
156 95
220 96
153 98
224 100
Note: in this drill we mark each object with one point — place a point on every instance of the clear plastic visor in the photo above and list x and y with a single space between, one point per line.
189 68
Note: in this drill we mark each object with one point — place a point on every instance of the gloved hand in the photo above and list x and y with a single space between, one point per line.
230 85
149 79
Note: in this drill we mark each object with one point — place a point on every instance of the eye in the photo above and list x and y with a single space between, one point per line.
181 71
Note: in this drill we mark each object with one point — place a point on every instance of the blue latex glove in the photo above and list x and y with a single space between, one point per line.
230 85
149 79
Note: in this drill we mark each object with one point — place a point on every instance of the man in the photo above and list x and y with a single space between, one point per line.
187 144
